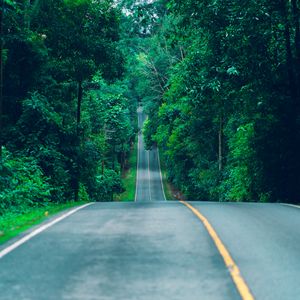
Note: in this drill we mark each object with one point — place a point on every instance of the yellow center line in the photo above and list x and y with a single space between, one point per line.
235 273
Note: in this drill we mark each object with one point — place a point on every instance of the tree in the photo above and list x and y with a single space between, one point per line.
51 50
82 36
227 121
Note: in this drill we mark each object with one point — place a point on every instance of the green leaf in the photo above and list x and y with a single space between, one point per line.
10 2
232 71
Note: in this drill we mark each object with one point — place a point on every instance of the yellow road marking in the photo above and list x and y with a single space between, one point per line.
235 273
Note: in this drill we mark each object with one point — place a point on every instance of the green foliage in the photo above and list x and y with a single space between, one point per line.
13 223
129 176
52 49
108 131
76 2
38 133
148 133
220 83
108 184
83 194
10 2
22 184
239 184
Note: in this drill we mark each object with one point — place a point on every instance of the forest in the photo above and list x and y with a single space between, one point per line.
219 81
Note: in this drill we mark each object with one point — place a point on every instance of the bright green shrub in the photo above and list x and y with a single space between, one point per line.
108 184
22 183
239 182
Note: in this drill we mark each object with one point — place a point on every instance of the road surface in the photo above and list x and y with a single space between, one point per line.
149 181
156 250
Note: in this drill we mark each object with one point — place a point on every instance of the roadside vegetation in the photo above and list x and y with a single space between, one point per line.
168 189
129 176
67 115
13 223
219 81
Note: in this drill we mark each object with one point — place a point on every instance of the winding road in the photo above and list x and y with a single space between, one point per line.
153 249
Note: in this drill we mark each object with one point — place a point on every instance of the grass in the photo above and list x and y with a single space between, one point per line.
12 224
166 185
129 177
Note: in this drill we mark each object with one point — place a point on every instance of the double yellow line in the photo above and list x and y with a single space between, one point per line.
235 273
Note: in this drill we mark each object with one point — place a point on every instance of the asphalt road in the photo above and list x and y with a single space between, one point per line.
149 181
157 250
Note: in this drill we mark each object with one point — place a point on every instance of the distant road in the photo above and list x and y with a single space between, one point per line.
149 181
157 250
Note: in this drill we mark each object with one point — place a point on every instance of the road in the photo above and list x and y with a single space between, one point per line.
149 182
156 250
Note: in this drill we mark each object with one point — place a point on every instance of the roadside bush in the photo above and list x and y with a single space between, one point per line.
108 184
238 186
22 184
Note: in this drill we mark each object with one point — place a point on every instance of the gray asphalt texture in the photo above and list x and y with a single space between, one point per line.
157 250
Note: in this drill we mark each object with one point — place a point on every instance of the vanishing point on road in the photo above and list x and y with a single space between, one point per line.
153 249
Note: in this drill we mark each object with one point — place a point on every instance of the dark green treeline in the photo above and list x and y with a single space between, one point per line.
67 117
221 84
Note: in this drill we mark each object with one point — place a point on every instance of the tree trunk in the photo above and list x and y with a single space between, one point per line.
35 7
113 156
1 74
79 101
290 182
295 10
221 144
296 25
78 119
289 54
27 10
123 158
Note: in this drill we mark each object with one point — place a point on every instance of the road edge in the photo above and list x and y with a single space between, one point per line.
39 230
290 205
137 167
160 174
